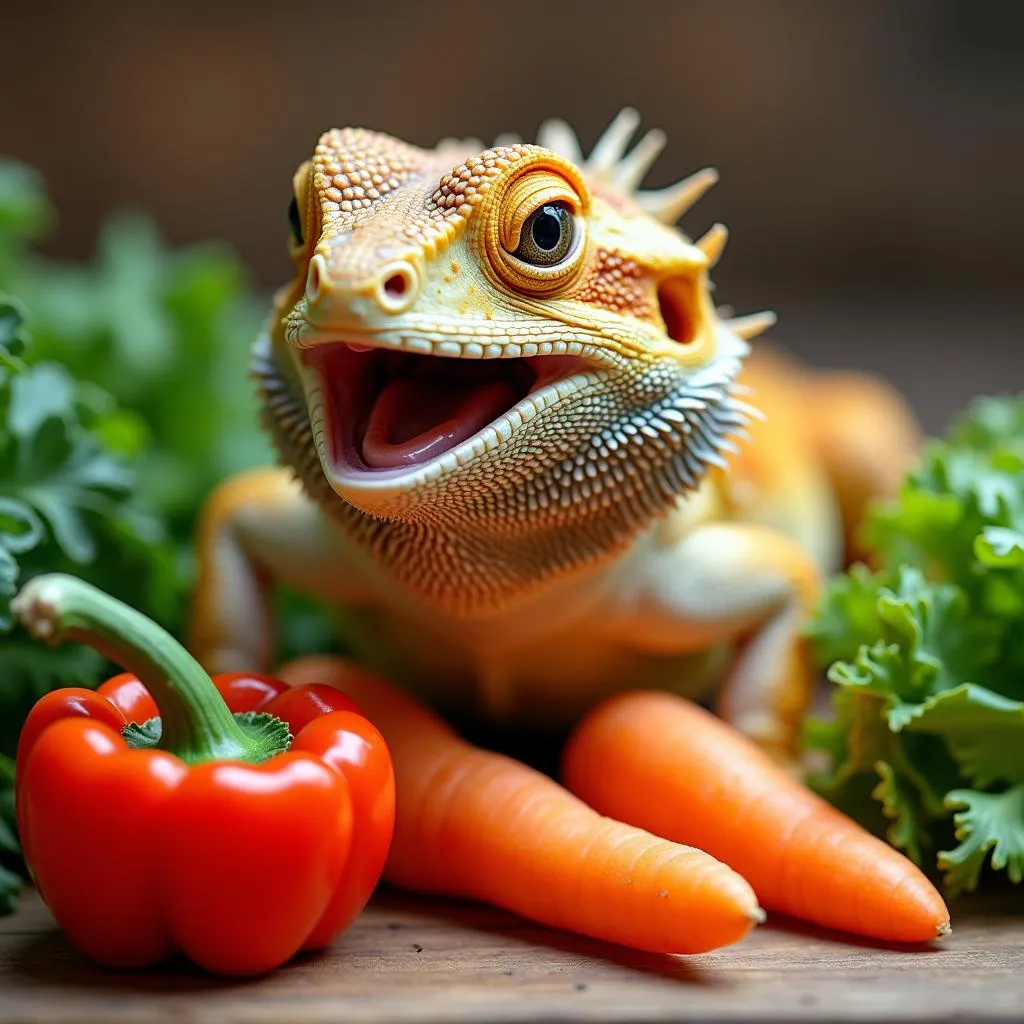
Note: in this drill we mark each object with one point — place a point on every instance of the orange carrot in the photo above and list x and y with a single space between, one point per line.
665 764
478 825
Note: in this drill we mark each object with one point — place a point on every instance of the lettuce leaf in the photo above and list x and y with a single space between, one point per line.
926 651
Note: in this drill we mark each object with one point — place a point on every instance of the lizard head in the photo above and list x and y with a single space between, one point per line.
510 338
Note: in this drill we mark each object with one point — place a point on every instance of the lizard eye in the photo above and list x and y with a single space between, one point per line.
537 242
302 221
547 235
295 221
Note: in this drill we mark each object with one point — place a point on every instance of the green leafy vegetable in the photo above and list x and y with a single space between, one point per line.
124 399
1000 547
927 651
64 493
985 822
64 501
158 340
10 880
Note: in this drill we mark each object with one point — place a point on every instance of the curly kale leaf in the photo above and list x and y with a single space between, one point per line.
989 423
892 784
985 822
1000 547
955 496
927 654
847 616
927 642
981 729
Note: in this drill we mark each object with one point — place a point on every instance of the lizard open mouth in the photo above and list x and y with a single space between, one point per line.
387 410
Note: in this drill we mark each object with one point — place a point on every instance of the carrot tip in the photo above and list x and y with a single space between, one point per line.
757 915
942 930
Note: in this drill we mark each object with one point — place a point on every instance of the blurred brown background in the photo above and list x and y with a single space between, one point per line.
872 153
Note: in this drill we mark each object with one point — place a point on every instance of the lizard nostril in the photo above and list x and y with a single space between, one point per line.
395 285
397 288
315 278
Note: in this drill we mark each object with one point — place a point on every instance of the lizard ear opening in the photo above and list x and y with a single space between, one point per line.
678 303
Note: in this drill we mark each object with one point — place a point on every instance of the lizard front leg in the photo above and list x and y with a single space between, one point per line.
740 583
255 529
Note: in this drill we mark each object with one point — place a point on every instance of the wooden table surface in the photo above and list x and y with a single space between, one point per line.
420 960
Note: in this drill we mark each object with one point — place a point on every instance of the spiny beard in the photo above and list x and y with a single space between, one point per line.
488 540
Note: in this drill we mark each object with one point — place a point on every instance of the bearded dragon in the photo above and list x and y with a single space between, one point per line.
523 450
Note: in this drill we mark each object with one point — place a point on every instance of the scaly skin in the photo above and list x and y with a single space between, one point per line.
613 528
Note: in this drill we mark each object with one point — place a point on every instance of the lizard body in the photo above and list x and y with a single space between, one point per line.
524 452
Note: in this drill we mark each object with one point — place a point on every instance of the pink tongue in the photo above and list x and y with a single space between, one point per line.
414 420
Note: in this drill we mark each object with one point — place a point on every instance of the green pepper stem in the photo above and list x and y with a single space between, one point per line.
196 724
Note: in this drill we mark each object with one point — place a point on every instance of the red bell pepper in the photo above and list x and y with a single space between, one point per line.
250 820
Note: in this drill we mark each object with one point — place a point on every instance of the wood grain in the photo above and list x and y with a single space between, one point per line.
420 960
